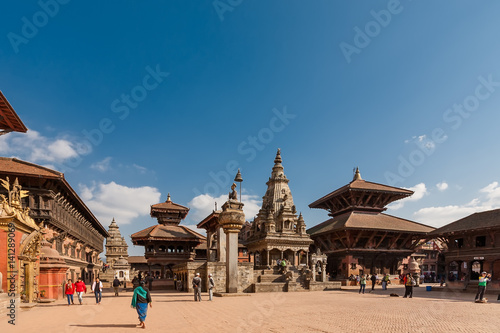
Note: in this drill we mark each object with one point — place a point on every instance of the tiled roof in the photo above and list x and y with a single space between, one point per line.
168 205
482 220
369 221
168 232
212 218
9 119
363 185
137 260
15 166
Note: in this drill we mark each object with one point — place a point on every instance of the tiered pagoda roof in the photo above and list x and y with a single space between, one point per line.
359 206
169 216
360 195
168 212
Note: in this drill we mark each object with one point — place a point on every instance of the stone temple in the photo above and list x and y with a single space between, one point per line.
277 232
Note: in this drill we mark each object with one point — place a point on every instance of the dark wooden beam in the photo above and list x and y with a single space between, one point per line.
360 232
381 240
340 239
370 239
405 241
348 238
394 241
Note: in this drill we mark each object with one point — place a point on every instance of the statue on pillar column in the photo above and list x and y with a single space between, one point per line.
232 219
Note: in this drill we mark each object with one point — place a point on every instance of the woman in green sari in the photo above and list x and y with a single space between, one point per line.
140 301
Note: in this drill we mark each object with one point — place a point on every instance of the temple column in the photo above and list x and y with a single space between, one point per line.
232 219
314 271
323 272
267 257
209 246
221 245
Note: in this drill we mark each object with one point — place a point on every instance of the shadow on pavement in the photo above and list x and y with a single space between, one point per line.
107 325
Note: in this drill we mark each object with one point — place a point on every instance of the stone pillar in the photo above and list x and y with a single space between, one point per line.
221 245
314 271
232 219
323 272
281 255
267 257
209 246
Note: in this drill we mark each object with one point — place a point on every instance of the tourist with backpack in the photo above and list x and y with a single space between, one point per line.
362 283
409 282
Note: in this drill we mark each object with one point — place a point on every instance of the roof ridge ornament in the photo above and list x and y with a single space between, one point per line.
168 198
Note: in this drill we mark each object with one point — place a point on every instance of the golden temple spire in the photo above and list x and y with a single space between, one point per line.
168 198
357 175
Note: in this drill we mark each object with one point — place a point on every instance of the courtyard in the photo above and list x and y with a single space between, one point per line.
327 311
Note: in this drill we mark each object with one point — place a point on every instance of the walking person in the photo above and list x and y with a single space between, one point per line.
197 287
116 285
385 281
69 290
97 289
211 285
409 282
483 280
80 289
362 283
374 281
140 300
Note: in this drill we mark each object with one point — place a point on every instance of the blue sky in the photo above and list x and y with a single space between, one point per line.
134 99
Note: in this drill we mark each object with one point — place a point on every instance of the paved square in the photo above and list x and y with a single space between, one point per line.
330 311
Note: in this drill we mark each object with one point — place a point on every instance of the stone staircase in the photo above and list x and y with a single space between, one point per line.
271 280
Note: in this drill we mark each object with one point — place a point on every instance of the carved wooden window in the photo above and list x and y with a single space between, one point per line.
480 241
459 242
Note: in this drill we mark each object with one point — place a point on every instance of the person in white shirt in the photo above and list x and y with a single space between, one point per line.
97 289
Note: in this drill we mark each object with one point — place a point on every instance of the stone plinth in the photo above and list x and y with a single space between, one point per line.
232 219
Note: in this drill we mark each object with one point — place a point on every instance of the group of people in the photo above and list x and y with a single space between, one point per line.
70 288
363 278
197 287
140 299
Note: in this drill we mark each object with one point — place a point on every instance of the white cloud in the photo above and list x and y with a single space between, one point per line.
442 186
203 204
36 148
121 202
438 216
141 169
103 165
420 190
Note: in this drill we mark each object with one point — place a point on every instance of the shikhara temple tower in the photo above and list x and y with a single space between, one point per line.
277 232
116 246
359 238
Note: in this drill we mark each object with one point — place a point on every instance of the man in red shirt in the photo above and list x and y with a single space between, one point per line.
69 290
80 289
